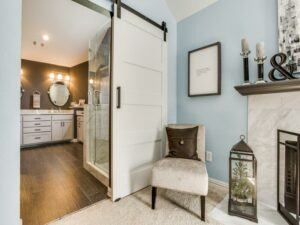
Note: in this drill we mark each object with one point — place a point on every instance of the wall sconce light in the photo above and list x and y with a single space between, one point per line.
91 81
52 76
67 78
59 77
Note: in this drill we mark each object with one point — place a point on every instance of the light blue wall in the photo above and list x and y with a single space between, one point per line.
10 47
224 116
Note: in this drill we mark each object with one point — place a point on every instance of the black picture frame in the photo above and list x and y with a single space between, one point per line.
219 68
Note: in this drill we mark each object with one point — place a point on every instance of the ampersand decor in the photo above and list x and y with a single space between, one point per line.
284 74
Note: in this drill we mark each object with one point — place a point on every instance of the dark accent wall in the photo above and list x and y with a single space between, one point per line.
36 77
79 81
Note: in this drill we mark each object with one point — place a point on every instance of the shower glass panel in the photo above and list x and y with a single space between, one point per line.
99 99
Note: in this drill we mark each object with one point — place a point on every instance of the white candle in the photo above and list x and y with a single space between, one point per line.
260 50
245 45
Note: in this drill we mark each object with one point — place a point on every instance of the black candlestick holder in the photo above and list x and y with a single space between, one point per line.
245 56
260 67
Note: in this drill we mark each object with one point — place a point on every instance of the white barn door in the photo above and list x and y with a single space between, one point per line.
139 102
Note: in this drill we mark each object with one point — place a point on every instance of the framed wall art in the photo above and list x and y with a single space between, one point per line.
204 71
289 32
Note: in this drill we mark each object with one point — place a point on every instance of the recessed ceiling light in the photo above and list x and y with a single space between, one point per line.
46 37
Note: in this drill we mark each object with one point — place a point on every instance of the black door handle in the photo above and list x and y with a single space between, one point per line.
118 97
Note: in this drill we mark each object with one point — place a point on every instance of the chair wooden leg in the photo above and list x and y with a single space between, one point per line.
154 191
202 200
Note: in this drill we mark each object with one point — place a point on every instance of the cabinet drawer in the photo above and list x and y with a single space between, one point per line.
37 124
79 125
62 117
28 118
36 138
36 129
80 118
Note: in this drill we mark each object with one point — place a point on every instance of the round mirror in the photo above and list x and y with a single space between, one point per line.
59 94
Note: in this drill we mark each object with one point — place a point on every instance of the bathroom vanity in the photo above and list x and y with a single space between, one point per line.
46 126
80 125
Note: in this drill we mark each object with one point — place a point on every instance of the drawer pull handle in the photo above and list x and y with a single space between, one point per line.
37 124
37 118
37 130
37 138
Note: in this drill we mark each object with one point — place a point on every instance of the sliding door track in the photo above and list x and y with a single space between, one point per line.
162 26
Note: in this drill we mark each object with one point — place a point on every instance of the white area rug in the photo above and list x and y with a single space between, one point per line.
172 208
266 216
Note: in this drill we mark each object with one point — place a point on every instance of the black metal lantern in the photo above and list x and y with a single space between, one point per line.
242 182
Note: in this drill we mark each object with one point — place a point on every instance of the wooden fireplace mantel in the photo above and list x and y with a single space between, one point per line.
270 87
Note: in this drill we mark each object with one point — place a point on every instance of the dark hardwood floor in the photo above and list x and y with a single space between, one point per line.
54 183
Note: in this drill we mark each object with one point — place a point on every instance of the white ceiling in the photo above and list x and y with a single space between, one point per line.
182 9
69 25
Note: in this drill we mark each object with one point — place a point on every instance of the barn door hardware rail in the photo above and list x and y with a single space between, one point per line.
121 5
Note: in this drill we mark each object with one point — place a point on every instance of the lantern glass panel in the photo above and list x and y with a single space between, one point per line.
243 183
239 156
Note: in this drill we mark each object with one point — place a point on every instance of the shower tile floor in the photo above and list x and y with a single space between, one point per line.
101 155
103 167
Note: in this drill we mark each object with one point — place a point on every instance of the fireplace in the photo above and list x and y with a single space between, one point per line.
288 176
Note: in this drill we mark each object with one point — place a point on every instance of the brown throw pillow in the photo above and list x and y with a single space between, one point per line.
183 143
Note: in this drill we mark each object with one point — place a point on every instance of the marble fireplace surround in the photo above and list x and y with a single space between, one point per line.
266 114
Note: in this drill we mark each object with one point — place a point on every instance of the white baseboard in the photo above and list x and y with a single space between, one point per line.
218 182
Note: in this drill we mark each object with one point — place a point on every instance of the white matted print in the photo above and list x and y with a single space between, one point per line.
205 71
289 31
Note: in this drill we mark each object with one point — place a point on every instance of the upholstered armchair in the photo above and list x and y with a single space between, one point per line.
183 175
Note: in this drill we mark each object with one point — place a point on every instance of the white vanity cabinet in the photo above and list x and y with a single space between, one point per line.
21 130
62 127
52 127
80 126
36 129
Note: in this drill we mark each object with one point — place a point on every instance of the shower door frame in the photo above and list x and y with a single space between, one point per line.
111 14
91 168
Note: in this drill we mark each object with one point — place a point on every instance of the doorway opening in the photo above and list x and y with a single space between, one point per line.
65 107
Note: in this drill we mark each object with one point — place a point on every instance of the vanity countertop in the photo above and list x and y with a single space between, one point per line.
46 112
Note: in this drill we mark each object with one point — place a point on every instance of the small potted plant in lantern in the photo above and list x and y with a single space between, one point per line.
242 182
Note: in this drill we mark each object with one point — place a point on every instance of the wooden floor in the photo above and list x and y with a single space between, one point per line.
54 183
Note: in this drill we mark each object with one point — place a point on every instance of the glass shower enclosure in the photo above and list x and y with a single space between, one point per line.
97 112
